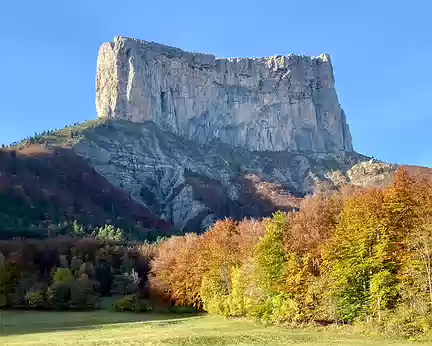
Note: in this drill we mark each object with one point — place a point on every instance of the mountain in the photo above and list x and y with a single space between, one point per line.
186 138
196 138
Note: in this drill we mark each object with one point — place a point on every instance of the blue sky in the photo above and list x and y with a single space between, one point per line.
381 52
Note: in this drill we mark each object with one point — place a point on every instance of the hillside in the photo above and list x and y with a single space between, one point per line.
42 186
160 173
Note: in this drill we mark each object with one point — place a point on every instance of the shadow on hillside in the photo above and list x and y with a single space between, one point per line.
40 184
256 198
30 322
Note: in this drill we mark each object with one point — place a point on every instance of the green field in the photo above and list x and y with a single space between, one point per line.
110 328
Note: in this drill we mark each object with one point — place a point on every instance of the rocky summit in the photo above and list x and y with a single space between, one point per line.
259 104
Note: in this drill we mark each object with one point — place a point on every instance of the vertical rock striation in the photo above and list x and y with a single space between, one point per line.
259 104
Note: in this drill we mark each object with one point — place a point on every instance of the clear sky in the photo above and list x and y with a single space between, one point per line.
381 52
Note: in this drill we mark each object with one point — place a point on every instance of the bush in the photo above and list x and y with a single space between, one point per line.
62 275
76 264
35 299
58 295
23 285
83 294
246 296
88 269
406 323
236 300
131 302
125 303
282 309
214 294
277 309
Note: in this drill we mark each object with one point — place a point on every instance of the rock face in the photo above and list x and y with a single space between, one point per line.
193 185
259 104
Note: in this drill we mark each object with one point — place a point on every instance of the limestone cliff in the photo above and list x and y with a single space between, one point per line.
195 138
193 185
259 104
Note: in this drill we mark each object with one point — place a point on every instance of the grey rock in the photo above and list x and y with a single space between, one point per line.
192 185
260 104
372 173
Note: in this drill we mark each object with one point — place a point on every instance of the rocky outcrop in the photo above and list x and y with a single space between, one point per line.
192 185
371 173
259 104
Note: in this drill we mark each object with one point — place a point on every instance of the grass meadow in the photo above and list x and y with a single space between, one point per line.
105 327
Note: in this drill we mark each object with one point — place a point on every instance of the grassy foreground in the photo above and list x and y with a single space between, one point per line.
110 328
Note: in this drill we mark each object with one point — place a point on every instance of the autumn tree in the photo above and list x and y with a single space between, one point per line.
270 256
313 225
361 247
174 273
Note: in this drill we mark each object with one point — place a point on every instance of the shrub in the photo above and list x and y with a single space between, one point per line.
7 282
58 295
76 264
35 299
131 302
63 261
83 294
125 303
406 323
281 309
62 275
24 284
88 269
104 276
236 300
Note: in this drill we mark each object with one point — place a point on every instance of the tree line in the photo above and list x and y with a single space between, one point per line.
352 256
72 273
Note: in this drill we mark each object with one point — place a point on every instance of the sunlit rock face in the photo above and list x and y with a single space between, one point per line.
259 104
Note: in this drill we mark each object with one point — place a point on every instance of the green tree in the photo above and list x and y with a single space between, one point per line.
270 257
109 233
383 292
363 246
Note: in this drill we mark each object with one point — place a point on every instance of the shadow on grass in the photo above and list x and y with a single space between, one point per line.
29 322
